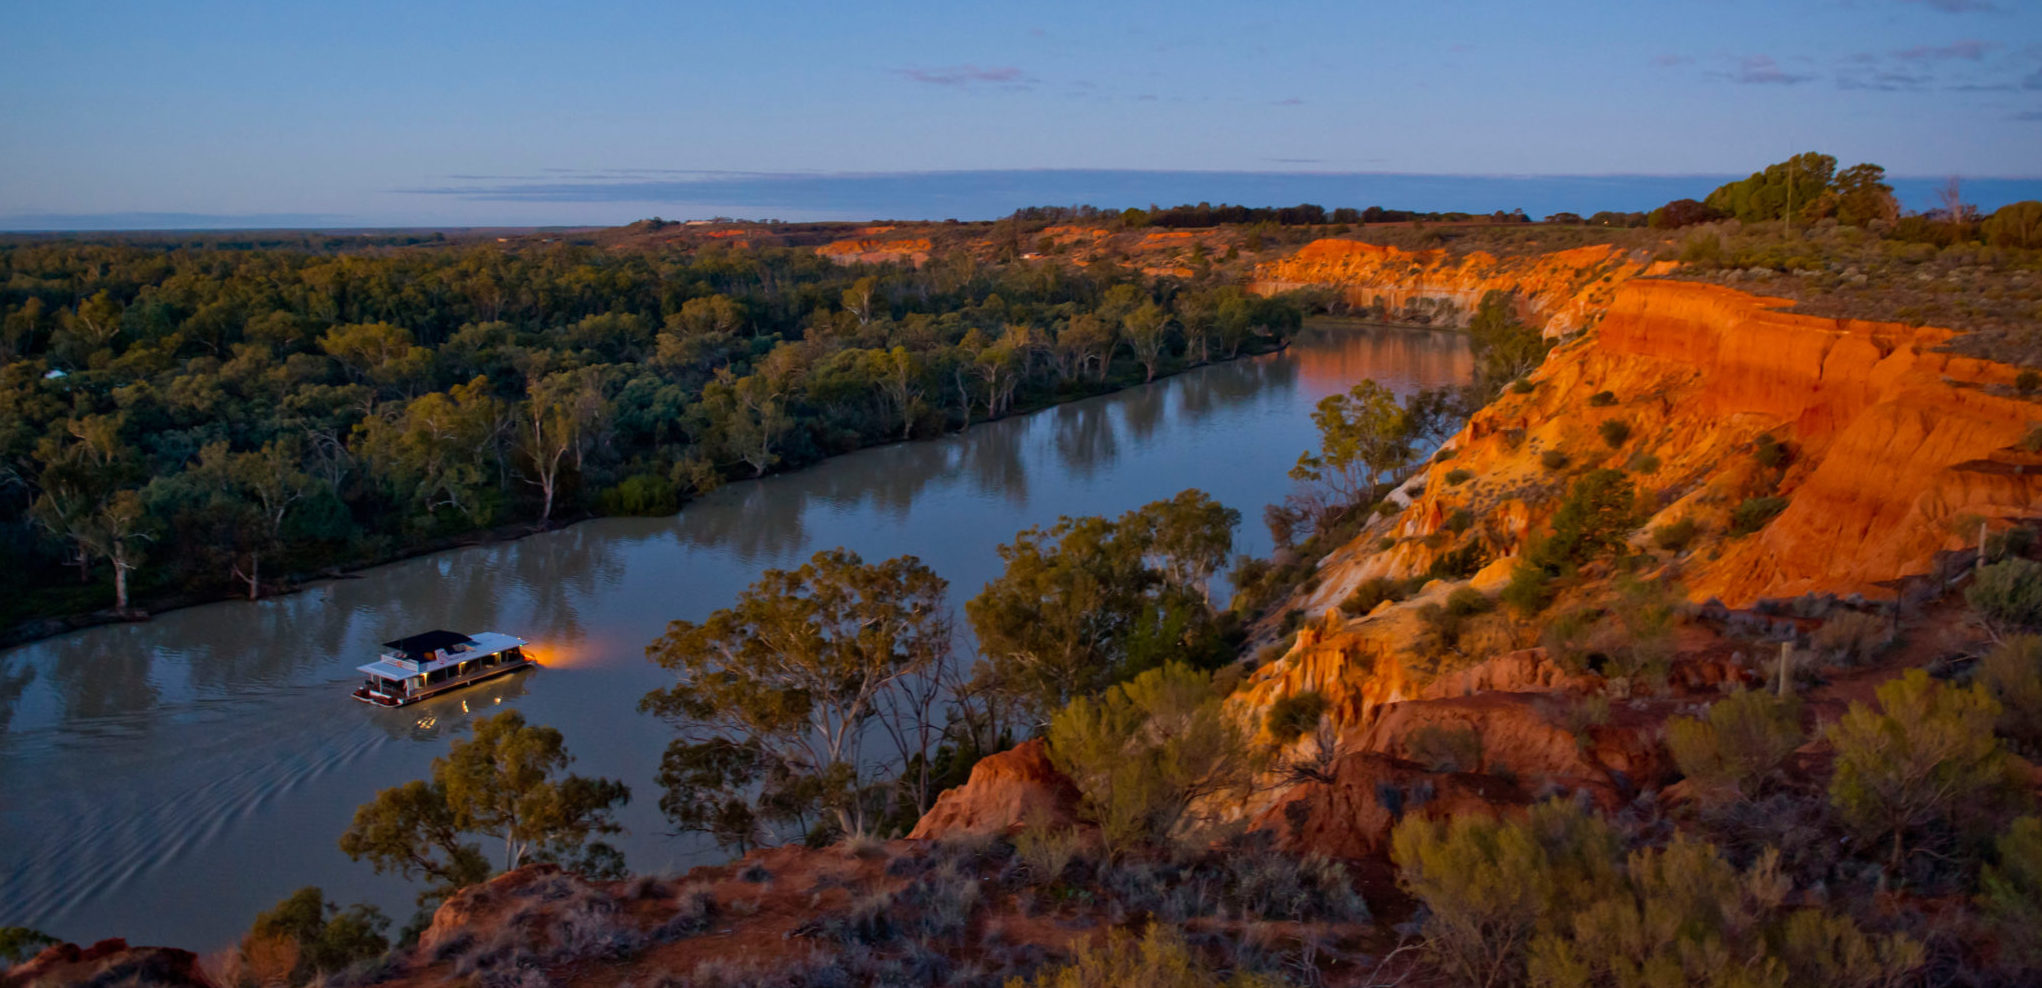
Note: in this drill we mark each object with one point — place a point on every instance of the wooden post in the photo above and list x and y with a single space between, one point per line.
1786 664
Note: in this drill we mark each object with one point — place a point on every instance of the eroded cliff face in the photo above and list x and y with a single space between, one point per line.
872 250
1562 291
1894 453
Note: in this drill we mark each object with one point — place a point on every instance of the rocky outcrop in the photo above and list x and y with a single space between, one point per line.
1017 787
1562 291
108 963
866 250
1350 812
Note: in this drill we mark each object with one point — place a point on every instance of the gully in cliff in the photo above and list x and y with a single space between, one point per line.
425 665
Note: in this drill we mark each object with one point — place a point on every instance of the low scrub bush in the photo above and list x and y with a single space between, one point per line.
1293 716
641 494
1553 459
1675 536
1458 564
2008 596
1372 592
1770 452
1046 851
1529 591
1921 769
2012 673
2011 896
1457 477
1602 399
305 935
1852 637
1159 959
1738 746
1754 513
1614 432
1143 753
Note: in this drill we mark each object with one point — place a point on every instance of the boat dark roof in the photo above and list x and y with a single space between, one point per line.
431 641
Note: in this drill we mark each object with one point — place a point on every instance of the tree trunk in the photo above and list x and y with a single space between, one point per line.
120 587
254 575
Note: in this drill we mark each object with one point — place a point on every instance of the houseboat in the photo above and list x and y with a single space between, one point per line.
412 669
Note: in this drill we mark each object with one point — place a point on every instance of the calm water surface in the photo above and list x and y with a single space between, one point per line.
165 781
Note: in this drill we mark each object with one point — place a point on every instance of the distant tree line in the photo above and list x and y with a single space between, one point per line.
186 419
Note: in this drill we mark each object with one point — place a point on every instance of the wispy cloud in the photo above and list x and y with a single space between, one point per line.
2030 115
1764 70
1972 50
967 75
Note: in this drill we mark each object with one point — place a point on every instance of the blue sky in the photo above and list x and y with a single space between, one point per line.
515 113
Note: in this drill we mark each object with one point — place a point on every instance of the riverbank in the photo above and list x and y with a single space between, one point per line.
146 604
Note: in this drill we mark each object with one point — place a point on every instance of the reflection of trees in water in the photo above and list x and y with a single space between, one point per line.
1143 409
103 673
993 458
757 521
14 680
556 571
1085 437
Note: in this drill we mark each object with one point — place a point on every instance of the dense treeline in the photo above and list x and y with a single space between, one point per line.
185 419
1206 214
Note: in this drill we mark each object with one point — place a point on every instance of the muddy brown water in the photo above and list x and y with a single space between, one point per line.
165 781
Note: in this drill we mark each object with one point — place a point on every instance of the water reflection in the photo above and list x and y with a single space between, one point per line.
216 748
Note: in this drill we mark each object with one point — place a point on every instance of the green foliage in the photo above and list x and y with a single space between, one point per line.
1144 752
1457 477
2016 224
1553 459
1548 901
1643 463
1752 514
2011 895
1371 592
1796 186
1735 749
643 494
1614 432
1597 516
504 783
1529 591
1490 886
2007 595
775 699
1458 564
324 937
19 943
1363 438
1295 715
1682 915
1922 767
2012 673
1602 399
1770 452
1675 536
1852 637
1093 601
1506 350
1159 959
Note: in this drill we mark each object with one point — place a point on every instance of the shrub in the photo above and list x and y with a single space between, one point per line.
1144 752
641 494
1602 399
2012 673
19 943
1446 622
2011 894
1372 592
1158 960
1385 544
1754 513
1490 885
2008 595
1675 536
316 935
1553 459
2032 442
1738 745
1912 768
1294 715
1593 521
2028 381
1643 463
1445 749
1457 477
1459 564
1521 386
1614 432
1445 453
1460 520
1852 637
1046 851
2016 541
1529 591
1770 452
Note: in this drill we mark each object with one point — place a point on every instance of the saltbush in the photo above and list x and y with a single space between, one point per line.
1754 513
1295 715
2008 595
1614 432
1738 745
1675 536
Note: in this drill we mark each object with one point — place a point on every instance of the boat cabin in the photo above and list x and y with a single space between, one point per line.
423 665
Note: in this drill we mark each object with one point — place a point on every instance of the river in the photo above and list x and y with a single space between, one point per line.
164 781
